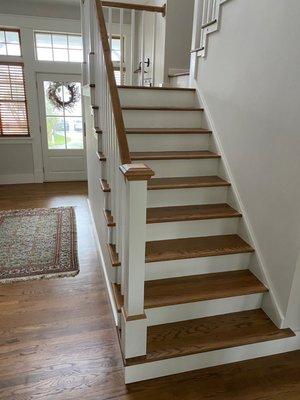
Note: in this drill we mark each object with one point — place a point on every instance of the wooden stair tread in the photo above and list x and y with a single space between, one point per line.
168 131
104 185
156 88
168 292
172 155
113 255
195 247
209 334
109 218
186 182
196 288
190 213
153 108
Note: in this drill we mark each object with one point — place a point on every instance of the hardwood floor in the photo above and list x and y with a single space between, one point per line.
58 340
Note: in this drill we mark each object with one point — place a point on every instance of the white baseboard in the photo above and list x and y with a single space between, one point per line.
16 179
209 359
103 266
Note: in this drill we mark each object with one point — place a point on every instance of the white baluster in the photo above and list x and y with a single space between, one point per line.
143 49
132 47
154 48
122 56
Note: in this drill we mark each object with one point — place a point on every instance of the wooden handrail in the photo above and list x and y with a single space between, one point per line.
114 94
132 6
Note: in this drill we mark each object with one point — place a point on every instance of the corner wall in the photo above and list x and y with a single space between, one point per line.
250 83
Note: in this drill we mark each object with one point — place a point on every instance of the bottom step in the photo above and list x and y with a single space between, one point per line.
208 334
185 346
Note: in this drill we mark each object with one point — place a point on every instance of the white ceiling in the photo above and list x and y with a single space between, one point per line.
73 2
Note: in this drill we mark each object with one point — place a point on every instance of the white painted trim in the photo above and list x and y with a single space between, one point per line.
203 309
178 365
104 267
271 307
16 179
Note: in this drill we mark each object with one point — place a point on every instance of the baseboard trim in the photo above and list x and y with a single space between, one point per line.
16 179
103 266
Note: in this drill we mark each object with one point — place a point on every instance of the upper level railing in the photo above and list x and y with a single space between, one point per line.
207 18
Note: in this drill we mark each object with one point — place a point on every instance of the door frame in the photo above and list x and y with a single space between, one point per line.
40 78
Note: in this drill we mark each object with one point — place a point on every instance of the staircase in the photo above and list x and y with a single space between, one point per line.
180 271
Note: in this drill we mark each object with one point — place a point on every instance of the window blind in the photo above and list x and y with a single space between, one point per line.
13 106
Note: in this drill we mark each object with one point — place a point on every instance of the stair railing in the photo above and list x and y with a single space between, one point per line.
208 19
126 195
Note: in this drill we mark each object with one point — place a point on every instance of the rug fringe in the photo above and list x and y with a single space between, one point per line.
40 277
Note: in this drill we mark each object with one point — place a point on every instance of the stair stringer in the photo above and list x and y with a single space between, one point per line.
257 263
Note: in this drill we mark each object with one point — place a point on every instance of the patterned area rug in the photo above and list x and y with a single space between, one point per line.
37 244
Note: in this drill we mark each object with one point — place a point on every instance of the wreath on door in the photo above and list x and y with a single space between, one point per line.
56 97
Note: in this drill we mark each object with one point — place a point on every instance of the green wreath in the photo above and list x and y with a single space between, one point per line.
56 98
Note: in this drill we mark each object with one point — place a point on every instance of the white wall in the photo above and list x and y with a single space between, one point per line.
179 27
250 82
21 158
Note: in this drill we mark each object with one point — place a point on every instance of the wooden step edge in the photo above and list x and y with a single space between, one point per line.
141 108
104 186
216 293
184 155
176 75
98 130
113 255
95 107
162 248
109 218
101 156
156 88
188 217
168 131
118 297
173 186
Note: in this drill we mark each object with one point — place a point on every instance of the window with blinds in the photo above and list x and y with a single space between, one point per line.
13 106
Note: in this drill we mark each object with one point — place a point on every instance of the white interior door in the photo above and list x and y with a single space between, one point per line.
63 138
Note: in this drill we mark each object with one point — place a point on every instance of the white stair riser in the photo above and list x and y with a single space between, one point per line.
182 168
209 359
197 266
185 229
180 81
162 119
202 309
168 142
157 98
184 197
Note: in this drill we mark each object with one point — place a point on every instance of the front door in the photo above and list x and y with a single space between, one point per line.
62 130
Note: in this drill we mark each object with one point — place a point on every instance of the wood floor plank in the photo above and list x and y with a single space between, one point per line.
190 213
195 247
208 334
186 182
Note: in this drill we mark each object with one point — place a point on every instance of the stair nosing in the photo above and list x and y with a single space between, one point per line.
156 88
243 248
168 131
234 214
141 108
221 183
174 155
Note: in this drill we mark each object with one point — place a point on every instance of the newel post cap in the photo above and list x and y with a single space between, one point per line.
136 172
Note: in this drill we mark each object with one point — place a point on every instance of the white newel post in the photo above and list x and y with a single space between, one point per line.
133 319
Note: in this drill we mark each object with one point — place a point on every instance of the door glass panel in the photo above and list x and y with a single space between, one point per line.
64 123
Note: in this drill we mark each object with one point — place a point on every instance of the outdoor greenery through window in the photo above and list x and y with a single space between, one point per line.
13 107
64 125
58 47
10 42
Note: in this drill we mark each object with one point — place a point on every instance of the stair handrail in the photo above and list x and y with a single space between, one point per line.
115 98
134 6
